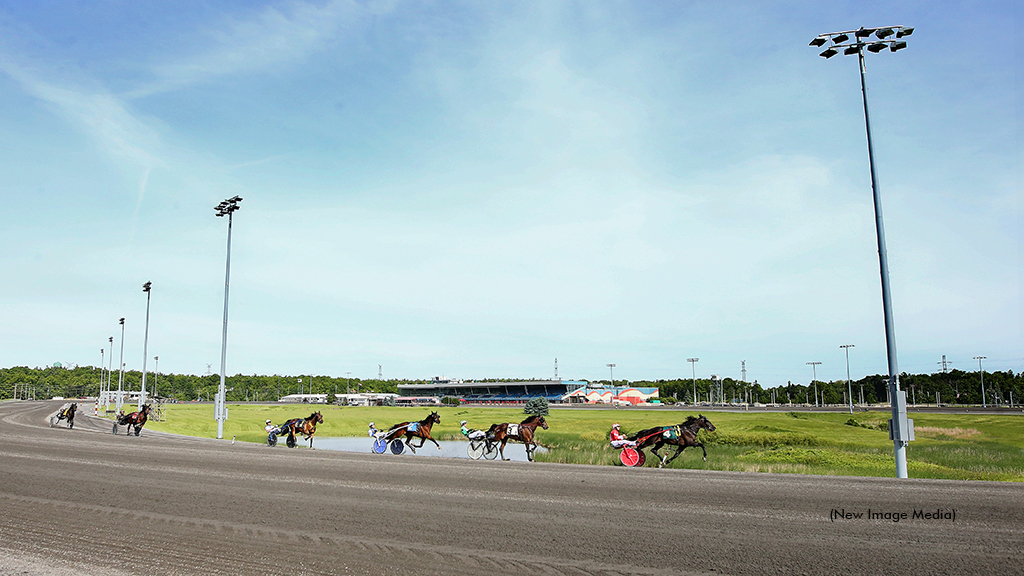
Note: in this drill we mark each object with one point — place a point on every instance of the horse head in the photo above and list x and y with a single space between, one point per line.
145 410
543 423
316 418
434 418
704 423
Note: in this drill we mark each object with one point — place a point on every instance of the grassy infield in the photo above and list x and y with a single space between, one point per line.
963 446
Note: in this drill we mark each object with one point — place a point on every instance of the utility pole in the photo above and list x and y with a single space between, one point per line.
984 403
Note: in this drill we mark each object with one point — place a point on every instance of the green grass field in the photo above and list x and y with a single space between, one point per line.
952 446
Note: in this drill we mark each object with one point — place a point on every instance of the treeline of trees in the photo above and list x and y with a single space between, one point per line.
953 387
24 383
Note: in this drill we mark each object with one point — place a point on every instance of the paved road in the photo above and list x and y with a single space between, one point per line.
84 501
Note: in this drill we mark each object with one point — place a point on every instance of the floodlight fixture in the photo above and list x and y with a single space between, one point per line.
901 430
819 41
829 53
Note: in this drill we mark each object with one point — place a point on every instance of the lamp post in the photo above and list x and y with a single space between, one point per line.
119 401
901 429
220 410
693 373
849 389
101 372
814 380
611 375
156 375
110 365
347 378
984 403
147 288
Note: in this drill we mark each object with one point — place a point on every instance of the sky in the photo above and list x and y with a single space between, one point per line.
476 189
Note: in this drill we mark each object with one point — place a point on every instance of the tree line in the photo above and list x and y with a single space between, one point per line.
952 387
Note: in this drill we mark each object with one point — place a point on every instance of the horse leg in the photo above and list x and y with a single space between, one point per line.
408 442
654 451
705 451
501 449
432 440
676 455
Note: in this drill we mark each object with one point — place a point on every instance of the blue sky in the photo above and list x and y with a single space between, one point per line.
473 189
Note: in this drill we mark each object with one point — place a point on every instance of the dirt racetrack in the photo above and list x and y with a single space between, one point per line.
84 501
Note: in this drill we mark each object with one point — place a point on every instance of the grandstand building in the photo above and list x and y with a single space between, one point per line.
555 391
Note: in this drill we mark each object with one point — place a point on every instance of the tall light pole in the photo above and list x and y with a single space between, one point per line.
220 409
110 366
901 429
693 373
147 288
611 375
984 403
814 380
849 388
348 375
101 373
120 376
156 375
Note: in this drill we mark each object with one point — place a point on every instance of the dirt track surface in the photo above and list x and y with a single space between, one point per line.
84 501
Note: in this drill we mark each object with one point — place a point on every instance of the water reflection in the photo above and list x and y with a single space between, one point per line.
449 448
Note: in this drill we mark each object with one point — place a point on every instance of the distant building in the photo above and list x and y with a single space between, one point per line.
501 393
600 394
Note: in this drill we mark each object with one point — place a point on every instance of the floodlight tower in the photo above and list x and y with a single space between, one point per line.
984 403
220 410
611 375
849 389
147 287
901 429
120 376
693 373
814 380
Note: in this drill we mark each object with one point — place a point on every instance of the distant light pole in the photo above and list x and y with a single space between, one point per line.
220 409
900 427
120 376
693 373
147 288
611 375
814 380
347 376
156 375
984 403
849 388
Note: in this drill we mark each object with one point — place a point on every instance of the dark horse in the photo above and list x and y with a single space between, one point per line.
680 435
136 419
522 432
304 426
65 413
412 430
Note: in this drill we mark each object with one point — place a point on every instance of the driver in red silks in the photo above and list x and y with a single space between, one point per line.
617 440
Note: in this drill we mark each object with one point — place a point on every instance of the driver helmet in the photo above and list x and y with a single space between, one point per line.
371 424
268 421
615 425
463 422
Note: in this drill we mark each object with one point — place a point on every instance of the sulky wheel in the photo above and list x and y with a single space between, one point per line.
138 429
115 428
290 441
53 421
272 440
490 451
476 450
397 446
380 445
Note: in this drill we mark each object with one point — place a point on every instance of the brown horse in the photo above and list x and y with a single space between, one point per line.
135 419
522 432
65 413
680 435
412 430
304 426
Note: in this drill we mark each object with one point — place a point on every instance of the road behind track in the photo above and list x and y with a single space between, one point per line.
84 501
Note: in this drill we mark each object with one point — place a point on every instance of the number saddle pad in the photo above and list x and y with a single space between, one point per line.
413 427
512 430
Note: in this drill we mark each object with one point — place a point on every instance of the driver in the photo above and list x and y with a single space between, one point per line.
269 427
617 439
471 434
373 431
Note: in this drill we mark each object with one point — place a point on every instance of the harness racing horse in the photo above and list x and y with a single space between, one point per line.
304 426
681 435
136 419
412 430
522 432
65 413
